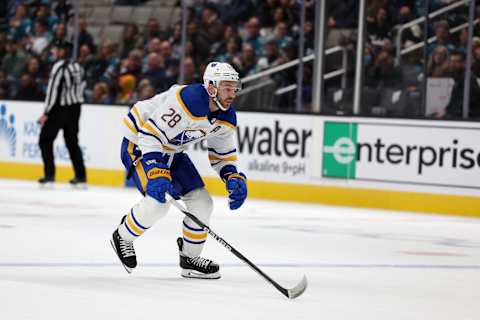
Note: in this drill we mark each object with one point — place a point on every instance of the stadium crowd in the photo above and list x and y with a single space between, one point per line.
252 35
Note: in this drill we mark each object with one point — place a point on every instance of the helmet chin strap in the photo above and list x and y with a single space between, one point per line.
214 97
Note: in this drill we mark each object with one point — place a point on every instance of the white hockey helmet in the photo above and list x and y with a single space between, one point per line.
216 72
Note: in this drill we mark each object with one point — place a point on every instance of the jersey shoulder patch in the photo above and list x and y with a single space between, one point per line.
194 99
229 116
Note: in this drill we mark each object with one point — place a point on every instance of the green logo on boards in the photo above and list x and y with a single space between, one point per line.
339 150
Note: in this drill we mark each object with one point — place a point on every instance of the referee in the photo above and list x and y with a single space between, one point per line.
62 111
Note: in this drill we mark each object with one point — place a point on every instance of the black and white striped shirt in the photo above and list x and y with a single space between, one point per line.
66 85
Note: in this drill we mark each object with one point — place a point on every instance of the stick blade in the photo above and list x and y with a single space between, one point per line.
298 289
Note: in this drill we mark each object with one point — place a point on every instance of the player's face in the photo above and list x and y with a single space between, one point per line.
227 91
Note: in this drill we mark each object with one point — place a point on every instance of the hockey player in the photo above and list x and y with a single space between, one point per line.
157 131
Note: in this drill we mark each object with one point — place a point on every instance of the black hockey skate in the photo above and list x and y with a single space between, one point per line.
197 267
46 182
78 183
124 250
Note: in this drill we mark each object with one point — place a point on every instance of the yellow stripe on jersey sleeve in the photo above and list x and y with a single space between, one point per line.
225 123
129 125
179 98
137 115
151 129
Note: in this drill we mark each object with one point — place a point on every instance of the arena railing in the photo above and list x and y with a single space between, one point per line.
419 20
339 72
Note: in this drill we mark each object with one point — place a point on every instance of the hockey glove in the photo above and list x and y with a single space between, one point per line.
237 189
159 179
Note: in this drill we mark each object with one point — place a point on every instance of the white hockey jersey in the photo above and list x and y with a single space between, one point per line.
178 117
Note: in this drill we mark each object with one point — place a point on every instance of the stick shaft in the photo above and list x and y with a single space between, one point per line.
230 248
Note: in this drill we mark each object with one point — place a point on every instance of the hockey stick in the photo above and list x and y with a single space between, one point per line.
289 293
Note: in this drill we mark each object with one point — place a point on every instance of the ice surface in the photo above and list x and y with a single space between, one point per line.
56 261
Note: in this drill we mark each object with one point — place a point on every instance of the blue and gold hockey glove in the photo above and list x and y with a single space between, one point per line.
236 184
159 179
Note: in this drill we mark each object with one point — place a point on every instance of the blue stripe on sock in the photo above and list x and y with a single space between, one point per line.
191 228
193 242
131 232
136 222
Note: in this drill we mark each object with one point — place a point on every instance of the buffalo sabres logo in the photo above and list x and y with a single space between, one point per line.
188 136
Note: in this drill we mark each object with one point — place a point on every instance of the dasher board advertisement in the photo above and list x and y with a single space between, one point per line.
271 147
402 153
100 135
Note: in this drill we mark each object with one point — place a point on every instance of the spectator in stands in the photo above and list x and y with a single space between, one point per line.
21 23
281 36
253 37
84 37
379 29
220 48
103 66
15 59
454 108
132 64
41 38
85 56
265 11
145 92
292 11
210 31
166 51
413 34
384 73
63 10
476 57
271 57
34 70
155 72
172 72
126 87
4 86
309 33
3 45
372 8
442 32
176 41
130 39
231 53
153 46
247 62
29 90
100 94
151 30
189 50
342 14
190 76
43 13
237 11
60 33
438 63
279 15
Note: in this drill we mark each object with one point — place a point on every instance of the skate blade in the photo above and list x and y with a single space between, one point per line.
79 186
188 273
46 186
128 269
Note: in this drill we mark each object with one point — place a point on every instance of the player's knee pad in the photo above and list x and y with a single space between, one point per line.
149 210
200 203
